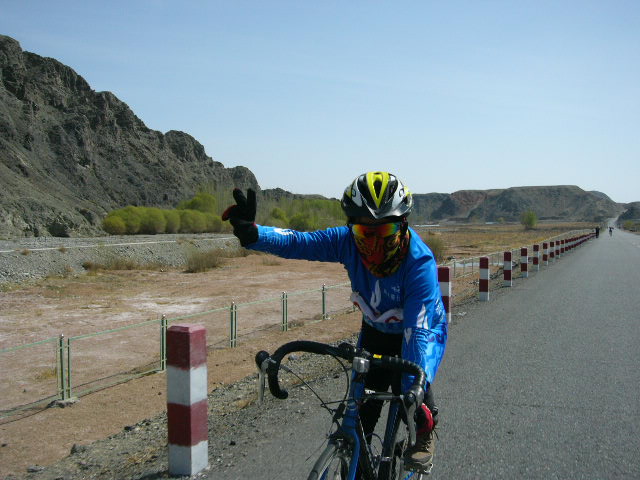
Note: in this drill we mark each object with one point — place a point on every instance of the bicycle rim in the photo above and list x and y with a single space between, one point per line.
332 464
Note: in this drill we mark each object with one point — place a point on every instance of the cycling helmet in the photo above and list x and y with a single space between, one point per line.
376 195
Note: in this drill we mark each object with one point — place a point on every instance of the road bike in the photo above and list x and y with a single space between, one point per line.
347 450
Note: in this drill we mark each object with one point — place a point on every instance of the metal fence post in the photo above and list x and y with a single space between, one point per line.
324 301
68 367
233 326
62 391
285 307
163 343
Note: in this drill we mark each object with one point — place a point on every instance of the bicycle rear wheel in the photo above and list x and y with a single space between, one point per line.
332 464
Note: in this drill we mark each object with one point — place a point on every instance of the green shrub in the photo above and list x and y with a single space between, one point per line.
132 217
152 221
301 222
529 219
278 214
213 222
114 225
202 202
172 217
192 221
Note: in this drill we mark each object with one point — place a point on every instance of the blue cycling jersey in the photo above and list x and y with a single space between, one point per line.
407 302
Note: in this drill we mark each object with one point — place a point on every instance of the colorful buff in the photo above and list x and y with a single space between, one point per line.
382 247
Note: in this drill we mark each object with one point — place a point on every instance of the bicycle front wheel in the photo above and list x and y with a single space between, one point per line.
333 463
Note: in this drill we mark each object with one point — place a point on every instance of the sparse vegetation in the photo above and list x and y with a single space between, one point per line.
202 261
271 261
199 261
529 219
436 244
631 226
120 263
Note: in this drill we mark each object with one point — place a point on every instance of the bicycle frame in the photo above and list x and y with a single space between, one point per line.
349 430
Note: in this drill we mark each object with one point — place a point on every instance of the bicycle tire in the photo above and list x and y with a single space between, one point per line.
332 464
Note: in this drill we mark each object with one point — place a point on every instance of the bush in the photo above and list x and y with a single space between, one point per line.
279 214
202 202
529 219
152 221
114 225
132 217
192 221
300 222
198 261
436 244
172 218
213 222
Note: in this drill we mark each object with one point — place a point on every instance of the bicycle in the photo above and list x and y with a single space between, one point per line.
347 447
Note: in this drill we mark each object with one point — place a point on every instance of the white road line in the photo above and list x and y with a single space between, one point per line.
42 249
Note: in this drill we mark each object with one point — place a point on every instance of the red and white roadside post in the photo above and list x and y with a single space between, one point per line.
551 251
444 278
524 262
507 269
484 279
536 257
187 399
545 253
557 249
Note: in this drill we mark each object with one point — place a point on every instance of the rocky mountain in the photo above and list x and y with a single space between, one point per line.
632 212
560 202
69 154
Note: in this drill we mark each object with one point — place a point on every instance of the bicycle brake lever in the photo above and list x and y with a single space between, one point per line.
411 424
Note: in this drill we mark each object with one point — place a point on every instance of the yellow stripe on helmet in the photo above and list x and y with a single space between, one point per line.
373 177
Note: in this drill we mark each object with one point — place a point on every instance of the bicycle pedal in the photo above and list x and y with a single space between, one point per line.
415 472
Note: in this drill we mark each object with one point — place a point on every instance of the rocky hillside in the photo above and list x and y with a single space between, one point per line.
632 212
69 154
561 202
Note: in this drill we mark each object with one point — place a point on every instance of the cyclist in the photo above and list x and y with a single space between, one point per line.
610 231
393 278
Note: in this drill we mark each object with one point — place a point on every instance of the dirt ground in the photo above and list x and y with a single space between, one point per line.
88 304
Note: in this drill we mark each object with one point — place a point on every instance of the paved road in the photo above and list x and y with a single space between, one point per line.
541 382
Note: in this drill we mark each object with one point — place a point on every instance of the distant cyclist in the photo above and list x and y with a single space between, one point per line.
394 283
610 231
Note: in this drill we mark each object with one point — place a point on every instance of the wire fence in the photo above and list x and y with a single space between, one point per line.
60 369
471 265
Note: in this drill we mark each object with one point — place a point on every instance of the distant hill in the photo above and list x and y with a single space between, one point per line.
632 212
69 154
550 203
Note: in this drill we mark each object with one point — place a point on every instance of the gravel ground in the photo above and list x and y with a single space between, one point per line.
140 451
29 259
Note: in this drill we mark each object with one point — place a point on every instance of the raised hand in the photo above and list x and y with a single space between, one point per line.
242 216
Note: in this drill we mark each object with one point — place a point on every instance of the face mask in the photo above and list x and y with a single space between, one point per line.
382 247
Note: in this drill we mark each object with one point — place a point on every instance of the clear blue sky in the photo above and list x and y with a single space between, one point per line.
448 95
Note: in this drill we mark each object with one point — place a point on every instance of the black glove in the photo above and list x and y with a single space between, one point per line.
242 216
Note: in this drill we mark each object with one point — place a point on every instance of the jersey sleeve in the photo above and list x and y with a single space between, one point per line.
424 323
328 245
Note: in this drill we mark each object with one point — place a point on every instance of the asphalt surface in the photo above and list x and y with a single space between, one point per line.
542 381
